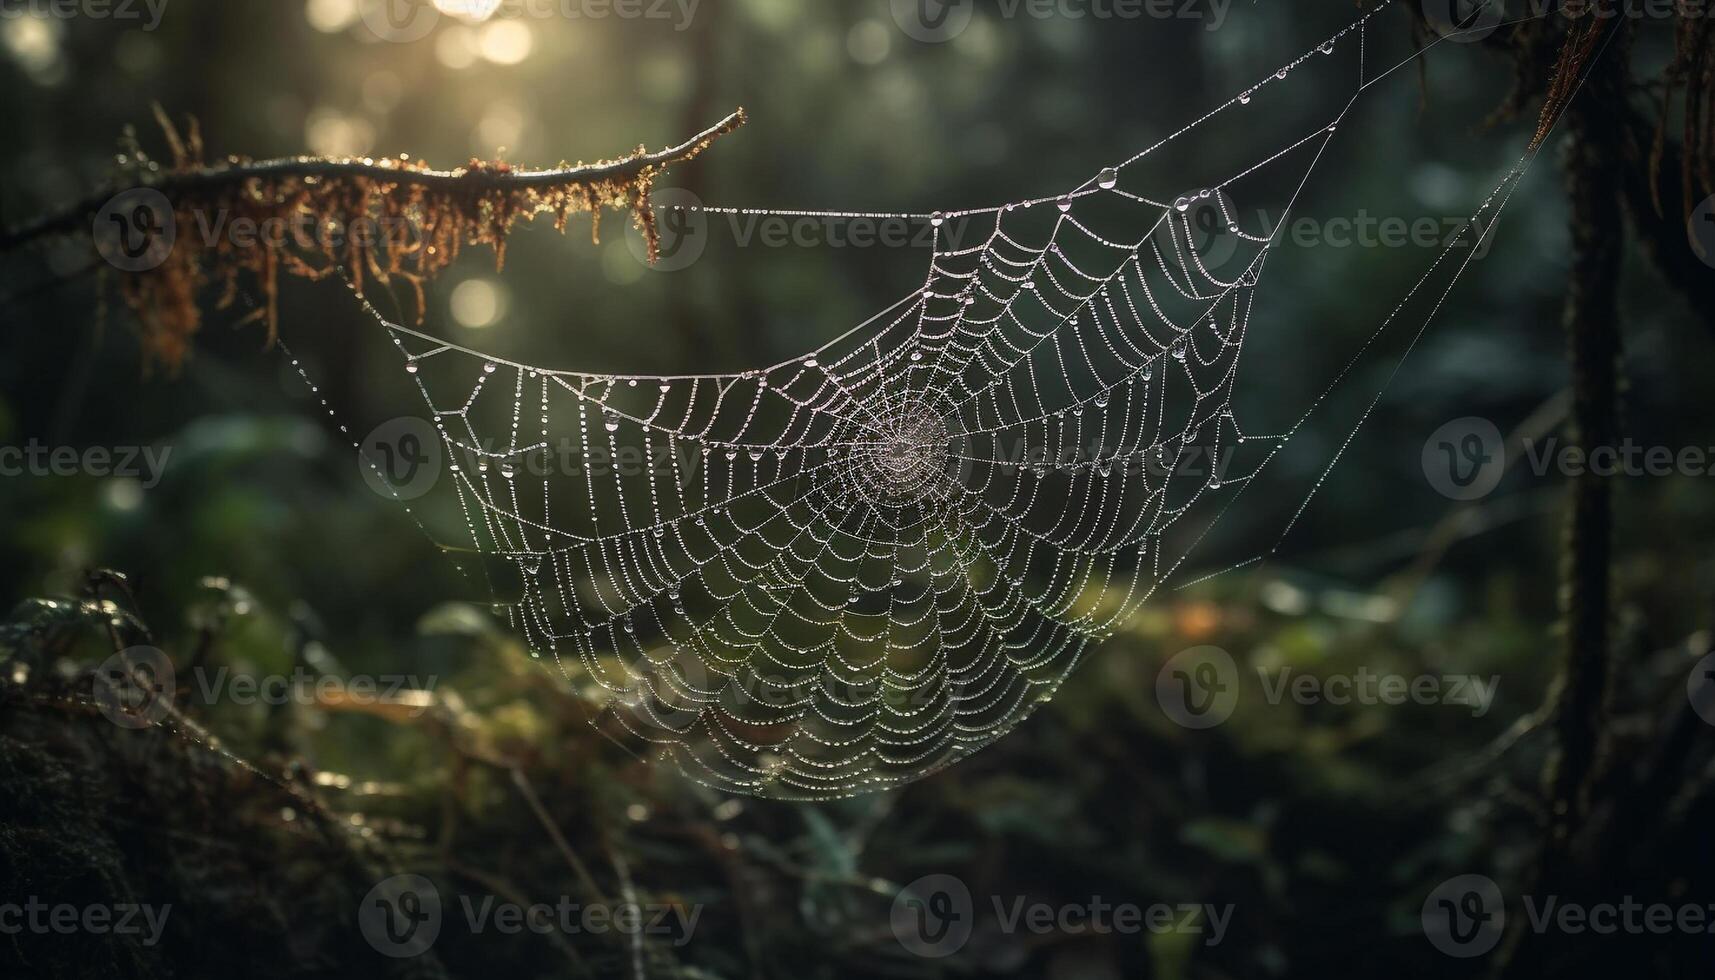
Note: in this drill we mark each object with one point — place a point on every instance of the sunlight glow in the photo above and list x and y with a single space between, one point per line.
456 47
506 42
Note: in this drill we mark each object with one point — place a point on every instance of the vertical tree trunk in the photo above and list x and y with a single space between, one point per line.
1594 177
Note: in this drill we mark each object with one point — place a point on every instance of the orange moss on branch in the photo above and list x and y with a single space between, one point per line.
386 219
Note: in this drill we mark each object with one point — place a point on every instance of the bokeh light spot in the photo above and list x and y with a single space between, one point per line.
868 42
477 303
455 47
331 16
32 41
507 42
332 133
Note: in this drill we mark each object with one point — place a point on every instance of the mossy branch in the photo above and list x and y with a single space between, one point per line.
476 178
390 217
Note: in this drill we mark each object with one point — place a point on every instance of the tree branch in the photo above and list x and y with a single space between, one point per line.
1656 200
207 180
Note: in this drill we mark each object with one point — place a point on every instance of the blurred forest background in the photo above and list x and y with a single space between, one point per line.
262 549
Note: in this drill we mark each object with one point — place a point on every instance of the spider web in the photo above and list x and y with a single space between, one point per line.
853 568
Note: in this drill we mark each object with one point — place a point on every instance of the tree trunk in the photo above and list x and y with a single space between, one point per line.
1594 175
